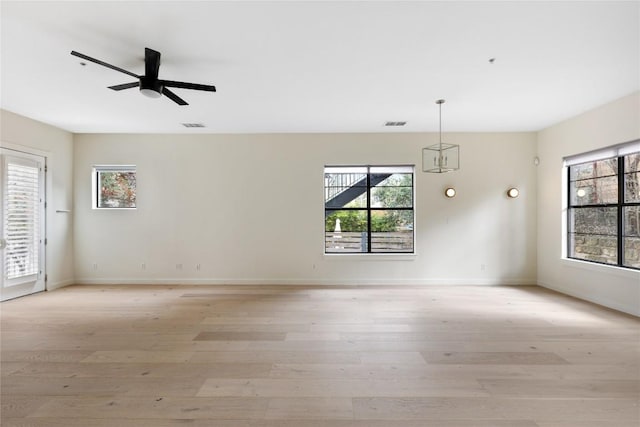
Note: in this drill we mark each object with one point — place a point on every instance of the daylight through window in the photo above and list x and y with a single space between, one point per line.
604 210
114 187
369 209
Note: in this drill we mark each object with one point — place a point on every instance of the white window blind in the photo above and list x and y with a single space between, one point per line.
21 220
604 153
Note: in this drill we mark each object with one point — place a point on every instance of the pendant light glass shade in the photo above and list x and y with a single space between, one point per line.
441 157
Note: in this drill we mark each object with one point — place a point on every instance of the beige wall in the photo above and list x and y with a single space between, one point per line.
611 124
249 209
19 132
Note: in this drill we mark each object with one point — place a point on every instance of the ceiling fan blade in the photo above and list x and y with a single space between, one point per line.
151 63
125 86
185 85
172 96
104 64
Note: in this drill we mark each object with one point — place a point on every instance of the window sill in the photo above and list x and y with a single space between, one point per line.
369 257
601 268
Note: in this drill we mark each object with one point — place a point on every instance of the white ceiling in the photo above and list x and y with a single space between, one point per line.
320 66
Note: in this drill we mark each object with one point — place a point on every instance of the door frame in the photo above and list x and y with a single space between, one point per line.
21 149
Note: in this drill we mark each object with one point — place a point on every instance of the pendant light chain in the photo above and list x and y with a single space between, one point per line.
440 156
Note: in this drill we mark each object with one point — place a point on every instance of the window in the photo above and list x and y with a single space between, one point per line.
368 209
114 187
22 220
604 208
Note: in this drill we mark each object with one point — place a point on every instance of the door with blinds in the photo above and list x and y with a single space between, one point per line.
22 224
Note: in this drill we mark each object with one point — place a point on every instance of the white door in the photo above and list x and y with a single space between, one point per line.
22 223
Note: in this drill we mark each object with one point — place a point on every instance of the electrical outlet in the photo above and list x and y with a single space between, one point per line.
144 266
178 266
198 267
95 266
482 267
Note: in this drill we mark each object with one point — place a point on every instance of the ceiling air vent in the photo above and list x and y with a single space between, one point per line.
395 123
193 125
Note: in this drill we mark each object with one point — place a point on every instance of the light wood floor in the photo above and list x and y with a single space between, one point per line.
251 356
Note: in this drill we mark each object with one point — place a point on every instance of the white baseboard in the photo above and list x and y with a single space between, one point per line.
309 282
61 284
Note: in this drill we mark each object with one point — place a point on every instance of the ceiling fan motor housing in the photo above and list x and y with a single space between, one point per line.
150 87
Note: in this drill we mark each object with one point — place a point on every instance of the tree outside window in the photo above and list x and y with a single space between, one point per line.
369 209
115 187
604 211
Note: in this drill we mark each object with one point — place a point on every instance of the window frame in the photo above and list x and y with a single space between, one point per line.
619 153
369 208
96 170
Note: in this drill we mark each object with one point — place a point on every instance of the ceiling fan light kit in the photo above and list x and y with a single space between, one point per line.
149 83
150 87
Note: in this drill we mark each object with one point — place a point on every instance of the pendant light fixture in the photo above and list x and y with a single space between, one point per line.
441 157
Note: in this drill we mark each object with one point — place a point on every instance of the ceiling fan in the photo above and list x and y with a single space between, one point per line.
150 85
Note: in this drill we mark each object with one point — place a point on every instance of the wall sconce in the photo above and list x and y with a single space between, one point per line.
513 192
450 192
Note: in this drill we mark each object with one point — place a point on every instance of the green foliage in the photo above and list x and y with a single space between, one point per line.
394 192
383 221
349 221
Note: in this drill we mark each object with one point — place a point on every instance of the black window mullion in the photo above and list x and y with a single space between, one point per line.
621 216
368 209
368 181
570 249
620 211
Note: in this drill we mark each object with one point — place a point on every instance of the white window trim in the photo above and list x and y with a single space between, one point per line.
591 156
374 256
601 268
94 184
